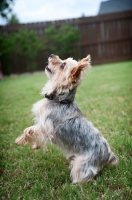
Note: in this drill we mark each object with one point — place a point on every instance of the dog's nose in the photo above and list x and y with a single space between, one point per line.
52 55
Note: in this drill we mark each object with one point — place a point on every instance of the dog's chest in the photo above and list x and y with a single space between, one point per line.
40 109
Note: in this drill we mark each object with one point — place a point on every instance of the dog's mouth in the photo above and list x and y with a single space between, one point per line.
48 69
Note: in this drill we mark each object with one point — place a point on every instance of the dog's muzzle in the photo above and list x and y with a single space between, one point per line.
48 69
51 56
50 96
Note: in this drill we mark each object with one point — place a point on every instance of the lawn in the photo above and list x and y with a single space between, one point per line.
105 98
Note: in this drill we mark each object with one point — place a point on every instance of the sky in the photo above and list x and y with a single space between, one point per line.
29 11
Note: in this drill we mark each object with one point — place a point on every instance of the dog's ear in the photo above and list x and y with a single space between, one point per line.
82 65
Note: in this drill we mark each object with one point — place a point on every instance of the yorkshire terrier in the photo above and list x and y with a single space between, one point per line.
58 120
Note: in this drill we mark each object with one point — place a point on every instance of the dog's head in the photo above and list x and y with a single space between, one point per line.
65 75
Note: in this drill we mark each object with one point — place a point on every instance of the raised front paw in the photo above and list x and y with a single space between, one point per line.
26 137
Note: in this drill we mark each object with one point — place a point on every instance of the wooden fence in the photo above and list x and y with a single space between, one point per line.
107 38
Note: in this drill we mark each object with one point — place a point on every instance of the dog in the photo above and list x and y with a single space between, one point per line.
58 120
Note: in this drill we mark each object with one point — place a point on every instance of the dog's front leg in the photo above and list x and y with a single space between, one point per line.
29 136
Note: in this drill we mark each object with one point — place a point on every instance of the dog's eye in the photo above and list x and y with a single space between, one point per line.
63 65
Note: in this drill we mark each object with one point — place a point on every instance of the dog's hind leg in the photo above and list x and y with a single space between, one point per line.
88 172
82 170
75 167
113 159
79 171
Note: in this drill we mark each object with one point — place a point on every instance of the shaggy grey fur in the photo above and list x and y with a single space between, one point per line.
59 120
78 136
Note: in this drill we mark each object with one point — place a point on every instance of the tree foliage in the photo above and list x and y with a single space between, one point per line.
61 40
24 43
28 44
13 19
6 51
5 7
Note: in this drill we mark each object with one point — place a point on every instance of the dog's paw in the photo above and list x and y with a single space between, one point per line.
35 146
113 160
26 137
21 140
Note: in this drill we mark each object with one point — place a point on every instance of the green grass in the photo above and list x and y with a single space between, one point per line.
105 98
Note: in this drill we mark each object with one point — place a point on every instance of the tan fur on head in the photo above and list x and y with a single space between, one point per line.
64 74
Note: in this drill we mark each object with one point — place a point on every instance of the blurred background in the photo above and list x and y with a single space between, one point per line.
31 30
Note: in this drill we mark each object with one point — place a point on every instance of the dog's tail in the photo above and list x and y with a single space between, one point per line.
113 159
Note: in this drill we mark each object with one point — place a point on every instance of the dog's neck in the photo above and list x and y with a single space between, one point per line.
65 98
